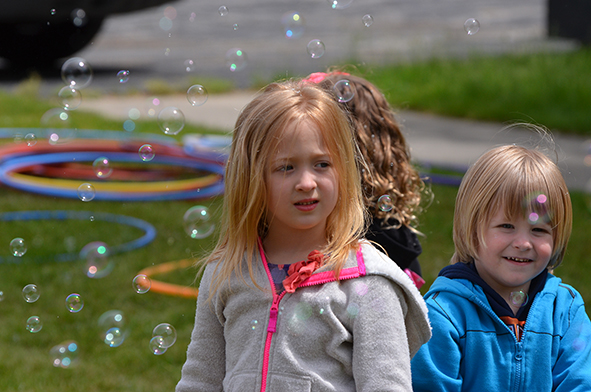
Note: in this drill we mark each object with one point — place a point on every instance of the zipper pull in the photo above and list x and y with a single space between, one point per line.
273 313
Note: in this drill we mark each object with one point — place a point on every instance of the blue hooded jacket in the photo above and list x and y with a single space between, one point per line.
472 349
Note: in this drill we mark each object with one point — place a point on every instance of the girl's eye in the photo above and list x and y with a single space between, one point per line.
506 225
285 168
324 164
542 230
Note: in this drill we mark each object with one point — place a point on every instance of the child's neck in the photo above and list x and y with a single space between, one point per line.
289 250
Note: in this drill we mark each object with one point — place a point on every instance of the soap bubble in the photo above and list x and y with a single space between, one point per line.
198 223
123 76
171 120
339 4
315 48
86 192
31 139
74 303
34 324
293 24
79 18
1 295
146 152
65 354
189 65
102 167
367 20
235 59
519 298
70 98
254 324
141 284
343 90
385 203
537 208
167 333
156 345
235 26
98 260
113 328
197 95
471 26
18 247
31 293
76 73
223 10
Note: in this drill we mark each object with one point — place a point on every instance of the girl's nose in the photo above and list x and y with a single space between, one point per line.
306 181
522 242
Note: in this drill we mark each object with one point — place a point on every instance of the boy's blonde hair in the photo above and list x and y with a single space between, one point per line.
258 130
511 176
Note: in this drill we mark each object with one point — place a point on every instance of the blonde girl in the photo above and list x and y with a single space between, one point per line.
290 298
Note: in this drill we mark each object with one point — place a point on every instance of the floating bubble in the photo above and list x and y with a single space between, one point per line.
156 345
537 209
471 26
134 113
123 76
65 354
165 23
1 295
171 120
76 73
170 12
129 125
141 284
34 324
223 10
98 260
192 17
235 26
198 223
339 4
344 91
519 298
367 20
86 192
197 95
74 303
315 48
18 247
385 203
235 59
254 324
102 167
189 65
113 328
31 139
70 98
146 152
293 24
31 293
167 333
79 18
52 11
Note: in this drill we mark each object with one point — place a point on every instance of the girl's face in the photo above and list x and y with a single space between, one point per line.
302 183
516 251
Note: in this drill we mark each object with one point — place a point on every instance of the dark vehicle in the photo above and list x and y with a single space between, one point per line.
38 32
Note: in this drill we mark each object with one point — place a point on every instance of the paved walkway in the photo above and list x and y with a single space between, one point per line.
441 141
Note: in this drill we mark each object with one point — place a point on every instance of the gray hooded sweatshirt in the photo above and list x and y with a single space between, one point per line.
355 334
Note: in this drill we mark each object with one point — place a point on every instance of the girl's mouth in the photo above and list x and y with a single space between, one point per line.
518 260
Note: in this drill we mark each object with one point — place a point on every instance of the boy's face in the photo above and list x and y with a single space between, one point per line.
516 251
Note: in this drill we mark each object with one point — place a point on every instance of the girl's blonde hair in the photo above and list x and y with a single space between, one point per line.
257 133
524 181
384 149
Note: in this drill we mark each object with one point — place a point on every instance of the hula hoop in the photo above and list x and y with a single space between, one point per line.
169 288
147 228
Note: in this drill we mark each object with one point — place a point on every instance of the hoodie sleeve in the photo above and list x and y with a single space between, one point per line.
204 369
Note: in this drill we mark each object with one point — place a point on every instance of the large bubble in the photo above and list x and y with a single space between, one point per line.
76 73
198 222
98 264
113 328
171 120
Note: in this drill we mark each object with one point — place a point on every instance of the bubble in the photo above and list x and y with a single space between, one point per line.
70 98
171 120
361 289
518 298
189 65
254 324
353 310
141 284
123 76
223 10
471 26
1 295
31 139
367 20
134 113
76 73
170 12
86 192
156 345
339 4
31 293
385 203
165 23
198 223
52 11
79 18
167 333
18 247
197 95
129 125
113 328
293 24
235 26
315 48
235 59
537 208
98 260
343 90
74 303
65 354
34 324
146 152
102 167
